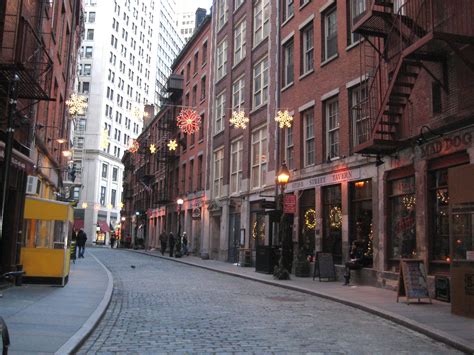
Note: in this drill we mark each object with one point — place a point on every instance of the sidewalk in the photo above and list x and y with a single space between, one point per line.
50 319
434 320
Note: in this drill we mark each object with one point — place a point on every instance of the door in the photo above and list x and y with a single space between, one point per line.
234 238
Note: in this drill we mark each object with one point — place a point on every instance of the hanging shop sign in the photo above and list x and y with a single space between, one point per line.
289 204
196 214
328 179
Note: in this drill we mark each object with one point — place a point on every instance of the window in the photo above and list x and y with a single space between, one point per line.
103 191
332 128
236 151
218 172
307 54
304 2
191 175
439 203
290 148
90 34
183 179
330 34
204 53
203 88
85 87
196 62
436 97
237 3
113 197
356 9
332 222
105 168
288 63
402 218
260 83
194 99
88 52
360 114
309 152
239 42
259 158
222 9
261 20
220 113
238 89
288 9
221 60
199 175
87 69
201 131
114 174
91 17
361 228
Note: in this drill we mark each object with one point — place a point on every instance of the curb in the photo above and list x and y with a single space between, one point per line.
453 341
73 344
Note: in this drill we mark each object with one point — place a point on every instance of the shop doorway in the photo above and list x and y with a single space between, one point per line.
332 222
234 238
306 235
361 225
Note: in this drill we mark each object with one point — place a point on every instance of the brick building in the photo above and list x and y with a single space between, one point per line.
38 43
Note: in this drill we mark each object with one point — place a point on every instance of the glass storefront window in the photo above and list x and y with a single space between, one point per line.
463 234
439 204
402 218
332 220
361 227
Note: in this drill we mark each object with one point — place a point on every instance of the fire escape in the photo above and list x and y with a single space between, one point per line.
400 37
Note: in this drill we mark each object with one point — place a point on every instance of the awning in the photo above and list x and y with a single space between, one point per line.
104 227
78 224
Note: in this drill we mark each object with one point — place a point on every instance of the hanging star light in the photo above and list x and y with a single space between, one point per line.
104 139
76 104
238 119
188 121
284 119
134 146
172 145
121 205
152 148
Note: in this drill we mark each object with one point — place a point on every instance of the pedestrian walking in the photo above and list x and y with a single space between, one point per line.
163 241
171 242
112 241
185 244
81 242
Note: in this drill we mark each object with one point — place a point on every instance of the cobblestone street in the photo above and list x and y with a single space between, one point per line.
163 306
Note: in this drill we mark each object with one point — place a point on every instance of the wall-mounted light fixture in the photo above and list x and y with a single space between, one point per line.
422 138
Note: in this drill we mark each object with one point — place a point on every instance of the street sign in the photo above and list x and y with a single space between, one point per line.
289 204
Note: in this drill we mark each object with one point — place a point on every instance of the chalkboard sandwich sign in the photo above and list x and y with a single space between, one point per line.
325 267
412 282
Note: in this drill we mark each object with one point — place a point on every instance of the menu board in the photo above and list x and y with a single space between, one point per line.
412 282
325 267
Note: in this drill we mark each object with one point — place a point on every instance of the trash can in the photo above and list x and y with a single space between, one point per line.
462 289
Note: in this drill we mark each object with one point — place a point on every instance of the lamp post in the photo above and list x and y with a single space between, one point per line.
282 272
178 237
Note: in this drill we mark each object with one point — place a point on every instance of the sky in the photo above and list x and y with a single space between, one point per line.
186 5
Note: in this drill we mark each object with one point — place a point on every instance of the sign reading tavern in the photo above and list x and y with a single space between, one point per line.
333 178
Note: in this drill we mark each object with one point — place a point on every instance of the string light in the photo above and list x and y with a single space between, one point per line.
188 121
409 202
172 145
76 104
134 146
238 119
261 232
84 205
284 119
152 148
335 217
310 219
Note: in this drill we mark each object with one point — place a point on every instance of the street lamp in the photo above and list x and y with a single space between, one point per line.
282 271
180 202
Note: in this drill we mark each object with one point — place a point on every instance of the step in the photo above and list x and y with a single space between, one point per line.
389 123
404 84
391 113
396 104
385 132
409 74
400 94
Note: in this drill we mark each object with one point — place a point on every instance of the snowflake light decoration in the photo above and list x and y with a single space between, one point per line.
172 145
238 119
121 205
104 139
188 121
76 104
139 113
152 148
284 119
134 146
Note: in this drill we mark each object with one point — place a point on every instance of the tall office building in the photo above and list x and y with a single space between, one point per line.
188 21
126 53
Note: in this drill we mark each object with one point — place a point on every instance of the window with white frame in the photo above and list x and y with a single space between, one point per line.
359 114
221 60
236 151
260 83
356 10
220 113
237 3
222 10
261 20
218 172
259 158
330 33
309 145
290 148
103 194
304 2
239 42
288 9
238 88
332 127
288 65
307 54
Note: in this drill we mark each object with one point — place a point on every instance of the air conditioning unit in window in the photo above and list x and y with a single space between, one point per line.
33 185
